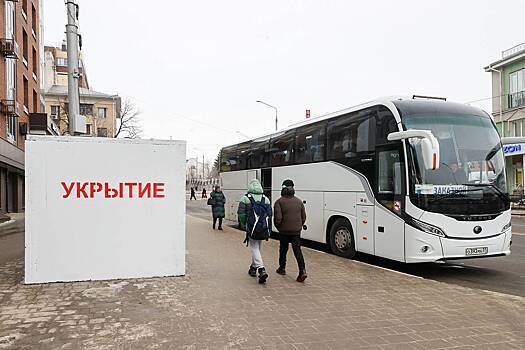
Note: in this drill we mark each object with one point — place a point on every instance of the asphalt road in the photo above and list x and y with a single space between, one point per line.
501 274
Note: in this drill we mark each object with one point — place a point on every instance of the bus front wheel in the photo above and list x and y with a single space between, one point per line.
342 239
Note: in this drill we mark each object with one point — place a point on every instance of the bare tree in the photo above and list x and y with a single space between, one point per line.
129 126
216 165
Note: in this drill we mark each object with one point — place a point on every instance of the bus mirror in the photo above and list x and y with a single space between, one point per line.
427 141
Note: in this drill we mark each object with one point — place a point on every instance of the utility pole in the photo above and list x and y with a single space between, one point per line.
76 122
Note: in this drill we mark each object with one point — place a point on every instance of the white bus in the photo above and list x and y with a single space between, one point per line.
413 180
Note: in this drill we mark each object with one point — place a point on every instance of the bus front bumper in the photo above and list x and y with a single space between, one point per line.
424 247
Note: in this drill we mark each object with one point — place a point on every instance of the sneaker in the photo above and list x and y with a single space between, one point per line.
220 228
252 271
281 271
262 275
302 276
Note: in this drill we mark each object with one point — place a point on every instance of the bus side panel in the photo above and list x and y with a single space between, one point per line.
360 216
318 177
315 181
234 185
313 203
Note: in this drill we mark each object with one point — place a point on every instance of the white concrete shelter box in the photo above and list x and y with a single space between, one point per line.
100 208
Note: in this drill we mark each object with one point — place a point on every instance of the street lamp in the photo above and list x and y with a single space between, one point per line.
500 101
269 105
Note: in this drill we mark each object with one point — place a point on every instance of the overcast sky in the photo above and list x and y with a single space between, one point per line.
196 68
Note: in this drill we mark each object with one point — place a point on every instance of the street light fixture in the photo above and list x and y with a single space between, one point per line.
269 105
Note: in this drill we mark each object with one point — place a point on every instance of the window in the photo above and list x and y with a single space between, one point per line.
88 129
35 101
310 143
102 132
26 93
34 22
35 62
385 124
11 78
517 88
55 112
281 149
61 62
86 109
11 124
258 156
234 158
25 46
389 179
102 112
351 134
389 167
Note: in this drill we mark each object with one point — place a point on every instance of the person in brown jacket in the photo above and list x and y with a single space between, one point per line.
289 218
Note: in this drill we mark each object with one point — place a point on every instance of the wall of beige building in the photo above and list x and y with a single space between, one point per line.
98 125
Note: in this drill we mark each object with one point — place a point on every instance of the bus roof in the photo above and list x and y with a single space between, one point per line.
406 104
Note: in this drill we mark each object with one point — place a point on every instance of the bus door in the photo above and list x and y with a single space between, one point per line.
389 226
266 182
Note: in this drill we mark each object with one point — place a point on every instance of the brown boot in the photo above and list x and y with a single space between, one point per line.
302 276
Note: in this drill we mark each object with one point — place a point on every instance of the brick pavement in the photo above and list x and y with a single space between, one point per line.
343 305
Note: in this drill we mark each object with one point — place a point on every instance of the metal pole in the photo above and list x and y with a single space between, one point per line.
269 105
72 66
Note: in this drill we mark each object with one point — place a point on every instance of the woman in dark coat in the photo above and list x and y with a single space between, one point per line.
217 208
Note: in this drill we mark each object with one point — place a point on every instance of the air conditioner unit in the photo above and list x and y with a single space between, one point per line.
9 48
11 108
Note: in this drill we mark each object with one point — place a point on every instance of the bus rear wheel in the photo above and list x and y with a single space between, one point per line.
341 239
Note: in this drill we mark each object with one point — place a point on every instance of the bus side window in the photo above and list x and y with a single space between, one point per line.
387 181
282 149
350 134
389 178
386 123
258 156
310 144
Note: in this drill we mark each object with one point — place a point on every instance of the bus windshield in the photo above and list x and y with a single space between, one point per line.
472 167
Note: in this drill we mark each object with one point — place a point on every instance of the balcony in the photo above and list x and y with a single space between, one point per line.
517 99
11 108
9 48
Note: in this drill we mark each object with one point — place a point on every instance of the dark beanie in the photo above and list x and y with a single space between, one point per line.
288 183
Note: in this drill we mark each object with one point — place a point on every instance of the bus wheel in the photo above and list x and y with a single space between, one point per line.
341 239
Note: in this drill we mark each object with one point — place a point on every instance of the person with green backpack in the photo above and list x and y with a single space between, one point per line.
255 214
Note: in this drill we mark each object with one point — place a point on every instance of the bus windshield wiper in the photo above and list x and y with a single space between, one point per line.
499 192
493 151
450 194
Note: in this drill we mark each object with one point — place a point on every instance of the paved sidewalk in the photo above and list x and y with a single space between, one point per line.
342 305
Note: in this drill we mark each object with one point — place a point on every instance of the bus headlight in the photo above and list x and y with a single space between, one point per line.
423 226
506 227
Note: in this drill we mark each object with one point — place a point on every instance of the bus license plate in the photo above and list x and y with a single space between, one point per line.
476 251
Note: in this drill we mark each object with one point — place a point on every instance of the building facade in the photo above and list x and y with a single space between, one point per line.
508 110
20 72
100 109
199 174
